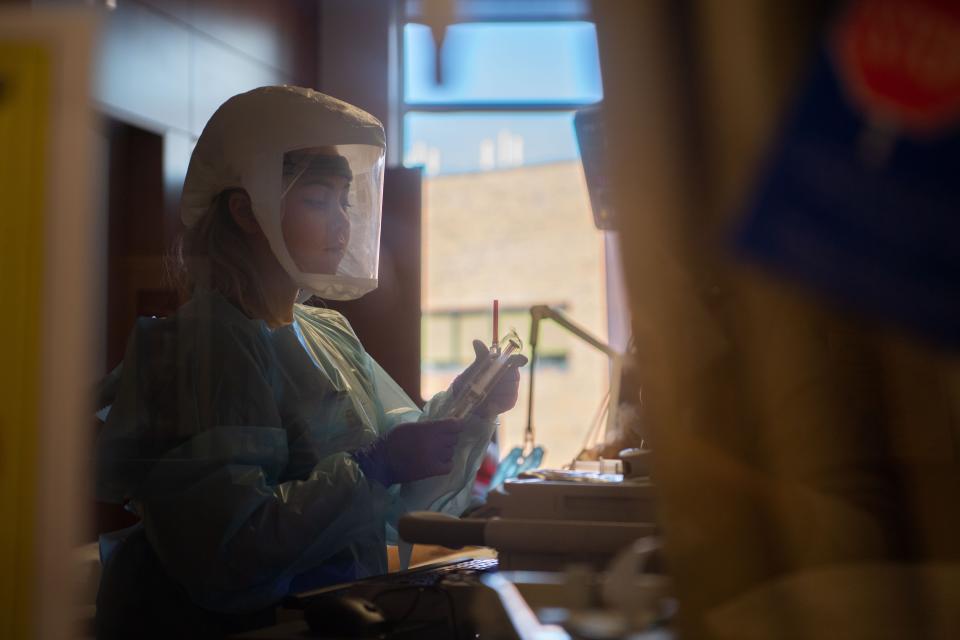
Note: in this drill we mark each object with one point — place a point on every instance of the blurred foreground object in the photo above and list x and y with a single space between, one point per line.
800 441
46 291
859 198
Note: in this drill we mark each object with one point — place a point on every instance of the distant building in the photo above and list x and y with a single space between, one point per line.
524 235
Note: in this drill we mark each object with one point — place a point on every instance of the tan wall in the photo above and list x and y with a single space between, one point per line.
524 236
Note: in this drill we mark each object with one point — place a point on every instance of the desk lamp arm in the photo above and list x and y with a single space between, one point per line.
541 312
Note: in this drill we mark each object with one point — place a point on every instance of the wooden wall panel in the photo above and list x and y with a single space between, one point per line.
144 67
180 10
270 32
170 64
355 53
218 74
279 34
135 236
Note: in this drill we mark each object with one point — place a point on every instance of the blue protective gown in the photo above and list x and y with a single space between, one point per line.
233 443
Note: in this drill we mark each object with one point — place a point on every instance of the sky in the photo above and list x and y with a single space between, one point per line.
490 63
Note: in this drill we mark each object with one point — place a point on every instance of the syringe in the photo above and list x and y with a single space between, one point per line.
495 344
476 384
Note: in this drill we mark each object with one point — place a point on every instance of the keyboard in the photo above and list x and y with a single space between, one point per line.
430 575
424 576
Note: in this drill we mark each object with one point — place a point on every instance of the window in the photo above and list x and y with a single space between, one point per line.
545 63
507 214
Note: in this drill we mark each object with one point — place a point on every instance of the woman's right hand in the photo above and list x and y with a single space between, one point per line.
413 451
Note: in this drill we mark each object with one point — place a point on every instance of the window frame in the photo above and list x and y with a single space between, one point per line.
578 12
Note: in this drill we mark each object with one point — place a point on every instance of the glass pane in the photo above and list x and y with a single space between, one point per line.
507 216
518 320
502 62
446 143
512 10
476 326
438 333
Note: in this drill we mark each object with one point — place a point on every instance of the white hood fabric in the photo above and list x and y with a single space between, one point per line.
243 146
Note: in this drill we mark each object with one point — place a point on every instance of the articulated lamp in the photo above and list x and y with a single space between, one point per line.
544 312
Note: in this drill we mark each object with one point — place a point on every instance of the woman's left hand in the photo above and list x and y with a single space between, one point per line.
503 396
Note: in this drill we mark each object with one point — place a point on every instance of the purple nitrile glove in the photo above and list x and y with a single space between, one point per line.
503 396
411 451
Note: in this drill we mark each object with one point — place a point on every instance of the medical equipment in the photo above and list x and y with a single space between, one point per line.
476 382
530 455
538 525
517 461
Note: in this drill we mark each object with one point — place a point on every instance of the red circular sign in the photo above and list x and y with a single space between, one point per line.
900 59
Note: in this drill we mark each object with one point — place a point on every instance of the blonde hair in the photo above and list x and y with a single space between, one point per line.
215 254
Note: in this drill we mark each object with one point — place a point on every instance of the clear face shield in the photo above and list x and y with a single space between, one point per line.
313 167
330 203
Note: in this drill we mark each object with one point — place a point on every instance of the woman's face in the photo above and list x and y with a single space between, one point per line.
315 224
